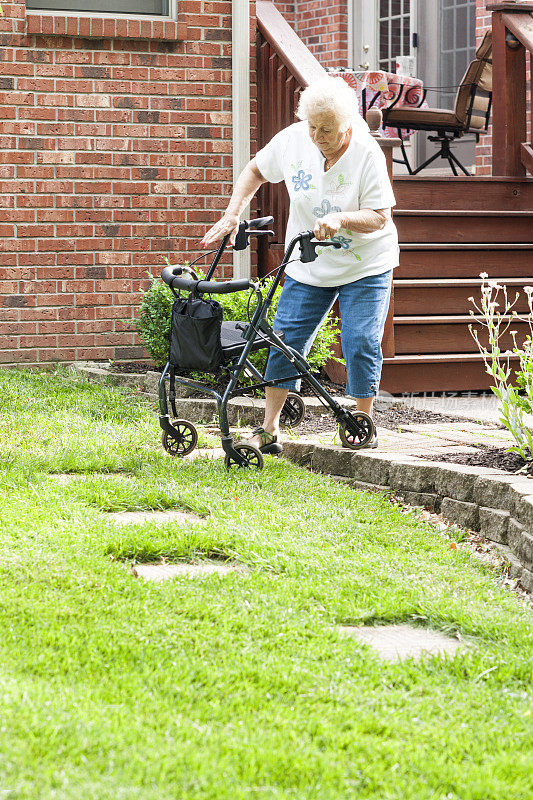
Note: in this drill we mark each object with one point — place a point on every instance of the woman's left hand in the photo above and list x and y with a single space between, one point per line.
328 226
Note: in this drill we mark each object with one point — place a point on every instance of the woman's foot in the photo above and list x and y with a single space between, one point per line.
266 442
373 443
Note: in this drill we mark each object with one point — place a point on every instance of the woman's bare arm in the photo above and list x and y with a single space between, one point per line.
367 220
245 187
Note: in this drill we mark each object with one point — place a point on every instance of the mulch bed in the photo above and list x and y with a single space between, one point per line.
493 457
391 418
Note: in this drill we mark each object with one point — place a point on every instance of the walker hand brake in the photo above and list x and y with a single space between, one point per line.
308 247
247 228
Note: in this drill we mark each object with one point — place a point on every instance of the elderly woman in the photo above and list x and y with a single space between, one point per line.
338 185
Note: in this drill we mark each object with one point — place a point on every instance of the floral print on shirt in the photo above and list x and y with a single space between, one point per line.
324 209
338 188
302 180
343 241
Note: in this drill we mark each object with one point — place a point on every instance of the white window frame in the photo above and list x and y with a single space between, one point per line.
171 17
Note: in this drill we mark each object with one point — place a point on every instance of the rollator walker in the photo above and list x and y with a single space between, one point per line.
227 346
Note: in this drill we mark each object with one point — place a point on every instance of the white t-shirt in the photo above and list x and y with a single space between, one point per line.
358 180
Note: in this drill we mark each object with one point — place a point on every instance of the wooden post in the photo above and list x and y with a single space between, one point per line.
240 77
387 343
508 91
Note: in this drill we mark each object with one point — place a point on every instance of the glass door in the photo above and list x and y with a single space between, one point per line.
395 26
457 45
384 30
447 44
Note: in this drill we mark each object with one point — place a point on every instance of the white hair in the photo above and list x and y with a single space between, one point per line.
332 96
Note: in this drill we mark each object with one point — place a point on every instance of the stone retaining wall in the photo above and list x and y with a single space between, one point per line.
499 506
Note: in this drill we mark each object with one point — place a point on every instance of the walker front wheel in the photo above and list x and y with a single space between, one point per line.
293 411
183 441
357 431
251 455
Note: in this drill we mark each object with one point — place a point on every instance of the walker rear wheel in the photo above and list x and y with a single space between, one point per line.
253 457
358 431
183 442
293 411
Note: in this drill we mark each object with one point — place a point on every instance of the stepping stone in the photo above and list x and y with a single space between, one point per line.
63 477
162 572
398 642
158 517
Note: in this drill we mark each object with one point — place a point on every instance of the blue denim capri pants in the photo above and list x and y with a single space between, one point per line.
363 308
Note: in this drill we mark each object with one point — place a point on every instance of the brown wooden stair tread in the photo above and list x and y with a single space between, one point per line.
450 283
437 358
457 212
448 319
466 245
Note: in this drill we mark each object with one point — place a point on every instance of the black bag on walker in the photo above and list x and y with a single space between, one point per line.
195 334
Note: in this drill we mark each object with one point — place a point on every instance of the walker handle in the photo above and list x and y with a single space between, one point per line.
170 275
261 222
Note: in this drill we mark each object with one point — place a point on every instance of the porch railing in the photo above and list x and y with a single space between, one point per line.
284 67
512 49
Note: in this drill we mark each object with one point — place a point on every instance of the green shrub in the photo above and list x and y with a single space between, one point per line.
153 323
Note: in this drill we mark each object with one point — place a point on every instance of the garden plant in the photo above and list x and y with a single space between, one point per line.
153 322
242 686
513 388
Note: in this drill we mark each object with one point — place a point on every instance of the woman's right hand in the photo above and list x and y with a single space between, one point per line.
229 223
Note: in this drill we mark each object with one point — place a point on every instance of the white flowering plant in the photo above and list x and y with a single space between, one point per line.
497 313
524 377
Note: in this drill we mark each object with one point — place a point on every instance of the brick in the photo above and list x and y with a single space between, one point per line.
371 469
93 100
523 512
408 476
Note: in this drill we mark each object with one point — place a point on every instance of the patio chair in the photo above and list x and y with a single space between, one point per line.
470 114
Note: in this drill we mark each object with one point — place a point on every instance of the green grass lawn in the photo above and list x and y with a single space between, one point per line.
237 686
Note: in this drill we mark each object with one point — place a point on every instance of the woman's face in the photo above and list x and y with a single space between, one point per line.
326 132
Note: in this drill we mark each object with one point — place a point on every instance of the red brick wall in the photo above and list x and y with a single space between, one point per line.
287 9
115 150
322 26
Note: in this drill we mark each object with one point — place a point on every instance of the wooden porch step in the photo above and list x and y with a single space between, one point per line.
435 373
482 193
435 296
419 335
464 259
430 283
438 358
459 226
447 212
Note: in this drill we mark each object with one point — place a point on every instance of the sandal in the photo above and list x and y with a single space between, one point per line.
269 442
